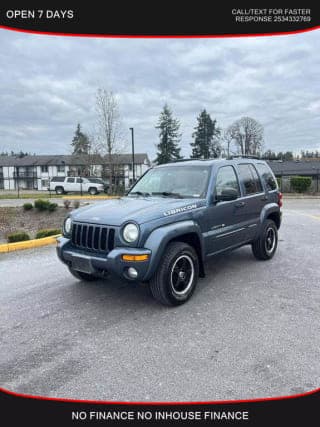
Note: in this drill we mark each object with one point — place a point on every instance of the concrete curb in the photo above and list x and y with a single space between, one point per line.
28 244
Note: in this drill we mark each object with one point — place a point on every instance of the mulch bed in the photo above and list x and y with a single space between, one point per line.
16 219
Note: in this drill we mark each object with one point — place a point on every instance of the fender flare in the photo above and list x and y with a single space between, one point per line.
160 237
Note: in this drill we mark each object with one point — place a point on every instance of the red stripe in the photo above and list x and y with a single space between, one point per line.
112 402
124 36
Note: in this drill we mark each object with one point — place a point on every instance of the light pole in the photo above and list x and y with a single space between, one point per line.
132 141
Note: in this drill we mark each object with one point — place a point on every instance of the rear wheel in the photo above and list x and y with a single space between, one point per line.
82 276
176 277
266 244
93 191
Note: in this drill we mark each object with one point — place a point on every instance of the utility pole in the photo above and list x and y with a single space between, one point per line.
133 166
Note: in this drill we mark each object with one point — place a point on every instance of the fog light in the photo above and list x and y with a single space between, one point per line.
132 272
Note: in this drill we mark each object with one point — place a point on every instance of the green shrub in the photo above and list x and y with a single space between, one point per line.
18 236
279 181
47 232
27 206
52 207
300 184
45 205
42 205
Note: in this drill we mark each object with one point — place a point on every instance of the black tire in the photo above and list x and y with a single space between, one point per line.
82 276
59 190
176 277
265 246
93 191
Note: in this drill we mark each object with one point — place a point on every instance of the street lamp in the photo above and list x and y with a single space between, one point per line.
132 141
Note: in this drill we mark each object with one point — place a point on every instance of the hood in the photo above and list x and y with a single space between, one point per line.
140 209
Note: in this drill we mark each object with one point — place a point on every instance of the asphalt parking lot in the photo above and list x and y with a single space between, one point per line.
251 329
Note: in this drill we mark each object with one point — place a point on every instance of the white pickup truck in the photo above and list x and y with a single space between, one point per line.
63 185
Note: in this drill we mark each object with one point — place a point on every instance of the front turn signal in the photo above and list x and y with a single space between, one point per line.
128 257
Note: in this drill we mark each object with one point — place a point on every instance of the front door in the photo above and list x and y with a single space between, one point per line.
224 228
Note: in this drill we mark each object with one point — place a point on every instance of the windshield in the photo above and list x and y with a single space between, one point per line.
173 181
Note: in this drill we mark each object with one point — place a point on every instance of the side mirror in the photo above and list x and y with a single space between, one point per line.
227 195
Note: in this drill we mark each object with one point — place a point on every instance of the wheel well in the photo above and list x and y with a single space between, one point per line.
193 240
275 217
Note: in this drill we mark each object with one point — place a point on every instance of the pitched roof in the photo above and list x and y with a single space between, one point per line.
76 160
291 167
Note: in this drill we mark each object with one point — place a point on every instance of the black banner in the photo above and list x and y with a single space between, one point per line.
158 19
300 410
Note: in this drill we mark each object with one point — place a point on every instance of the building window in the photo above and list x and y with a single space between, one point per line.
61 168
130 166
44 168
44 183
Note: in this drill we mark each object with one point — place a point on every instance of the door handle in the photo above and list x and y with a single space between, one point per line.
240 204
264 198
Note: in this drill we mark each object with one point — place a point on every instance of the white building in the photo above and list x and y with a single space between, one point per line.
34 172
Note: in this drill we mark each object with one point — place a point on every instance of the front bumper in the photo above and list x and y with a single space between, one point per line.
99 263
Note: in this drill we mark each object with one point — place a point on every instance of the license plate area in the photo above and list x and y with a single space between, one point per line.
82 264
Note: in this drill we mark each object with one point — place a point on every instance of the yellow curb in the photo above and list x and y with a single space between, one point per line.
28 244
90 197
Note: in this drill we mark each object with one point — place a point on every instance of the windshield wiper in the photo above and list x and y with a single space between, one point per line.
167 194
140 193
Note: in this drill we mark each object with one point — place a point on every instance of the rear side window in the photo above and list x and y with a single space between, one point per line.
250 179
267 176
79 180
70 180
57 179
226 178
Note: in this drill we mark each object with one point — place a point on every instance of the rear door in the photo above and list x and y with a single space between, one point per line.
254 198
224 218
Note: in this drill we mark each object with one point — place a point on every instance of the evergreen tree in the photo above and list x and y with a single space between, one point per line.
80 142
206 138
168 149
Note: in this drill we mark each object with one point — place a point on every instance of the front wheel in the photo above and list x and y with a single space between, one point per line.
59 190
176 277
82 276
265 246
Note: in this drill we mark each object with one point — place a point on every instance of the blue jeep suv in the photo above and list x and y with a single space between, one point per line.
172 221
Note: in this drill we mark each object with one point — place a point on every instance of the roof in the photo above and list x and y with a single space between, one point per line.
211 162
72 160
291 167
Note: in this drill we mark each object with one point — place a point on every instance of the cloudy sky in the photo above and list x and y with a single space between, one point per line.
48 84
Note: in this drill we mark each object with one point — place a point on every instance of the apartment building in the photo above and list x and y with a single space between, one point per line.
34 172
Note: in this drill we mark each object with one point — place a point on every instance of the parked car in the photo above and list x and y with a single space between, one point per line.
63 185
173 220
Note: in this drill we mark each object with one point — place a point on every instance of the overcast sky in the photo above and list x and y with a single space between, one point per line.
48 84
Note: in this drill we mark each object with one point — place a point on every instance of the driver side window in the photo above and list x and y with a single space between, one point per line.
226 179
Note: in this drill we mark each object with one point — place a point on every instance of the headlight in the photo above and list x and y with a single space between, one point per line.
67 225
130 232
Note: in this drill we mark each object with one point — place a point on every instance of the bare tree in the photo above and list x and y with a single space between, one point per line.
109 130
247 133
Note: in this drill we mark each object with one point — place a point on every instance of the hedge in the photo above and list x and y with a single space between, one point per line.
47 232
45 205
27 206
18 236
300 184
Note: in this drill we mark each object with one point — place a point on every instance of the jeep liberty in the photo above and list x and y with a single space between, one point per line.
174 219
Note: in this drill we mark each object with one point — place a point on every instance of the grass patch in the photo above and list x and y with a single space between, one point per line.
29 196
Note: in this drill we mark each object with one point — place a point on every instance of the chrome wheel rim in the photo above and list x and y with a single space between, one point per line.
270 241
182 274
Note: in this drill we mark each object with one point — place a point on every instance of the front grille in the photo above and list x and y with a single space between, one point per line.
94 237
